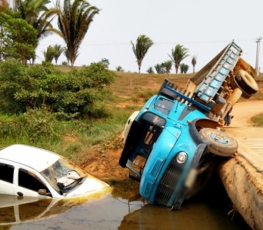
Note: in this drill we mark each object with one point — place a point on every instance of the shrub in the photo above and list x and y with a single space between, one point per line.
73 93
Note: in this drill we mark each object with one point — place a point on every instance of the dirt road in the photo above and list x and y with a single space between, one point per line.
243 111
242 175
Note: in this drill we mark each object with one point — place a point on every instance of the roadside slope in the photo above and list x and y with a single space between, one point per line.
242 175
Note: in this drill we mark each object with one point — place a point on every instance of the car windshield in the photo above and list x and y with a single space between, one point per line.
59 170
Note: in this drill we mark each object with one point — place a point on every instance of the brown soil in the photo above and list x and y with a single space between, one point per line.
241 174
105 166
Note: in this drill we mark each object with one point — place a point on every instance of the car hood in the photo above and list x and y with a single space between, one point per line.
90 185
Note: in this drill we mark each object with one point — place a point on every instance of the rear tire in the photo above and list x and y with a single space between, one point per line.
222 144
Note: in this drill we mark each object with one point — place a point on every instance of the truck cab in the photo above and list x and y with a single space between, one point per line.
170 145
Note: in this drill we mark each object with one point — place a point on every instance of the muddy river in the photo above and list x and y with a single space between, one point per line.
210 210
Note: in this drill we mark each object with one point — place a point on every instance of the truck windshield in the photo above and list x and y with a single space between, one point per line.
154 126
151 128
163 105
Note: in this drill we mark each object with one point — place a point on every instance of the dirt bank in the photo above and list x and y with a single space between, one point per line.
242 174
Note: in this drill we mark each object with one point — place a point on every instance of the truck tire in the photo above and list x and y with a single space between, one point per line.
246 82
221 144
235 85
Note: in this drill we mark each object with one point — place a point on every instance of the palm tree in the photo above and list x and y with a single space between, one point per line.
73 22
66 53
58 50
140 49
49 54
36 13
194 62
167 65
178 54
160 68
184 68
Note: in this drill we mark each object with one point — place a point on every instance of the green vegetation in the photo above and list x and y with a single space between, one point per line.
150 70
36 14
258 120
164 67
53 52
159 68
70 94
18 39
184 68
41 105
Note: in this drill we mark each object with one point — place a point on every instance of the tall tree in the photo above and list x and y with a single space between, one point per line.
18 38
58 50
194 62
36 13
4 8
74 21
179 53
140 48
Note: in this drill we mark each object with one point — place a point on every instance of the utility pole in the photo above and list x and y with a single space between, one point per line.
257 55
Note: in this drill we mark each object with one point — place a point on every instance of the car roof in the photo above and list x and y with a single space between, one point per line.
33 157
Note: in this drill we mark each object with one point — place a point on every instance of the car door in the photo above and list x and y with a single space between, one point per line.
29 184
7 172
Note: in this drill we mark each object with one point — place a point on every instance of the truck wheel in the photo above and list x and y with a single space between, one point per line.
221 144
235 85
246 82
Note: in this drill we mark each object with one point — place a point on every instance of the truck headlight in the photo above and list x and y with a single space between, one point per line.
181 157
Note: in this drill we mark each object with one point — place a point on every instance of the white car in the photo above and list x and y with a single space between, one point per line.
33 172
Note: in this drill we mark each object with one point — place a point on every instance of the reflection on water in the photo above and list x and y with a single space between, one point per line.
110 213
114 212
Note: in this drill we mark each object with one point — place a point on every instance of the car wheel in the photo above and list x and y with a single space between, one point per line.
221 144
246 82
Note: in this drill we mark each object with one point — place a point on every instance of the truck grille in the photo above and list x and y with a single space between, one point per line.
168 182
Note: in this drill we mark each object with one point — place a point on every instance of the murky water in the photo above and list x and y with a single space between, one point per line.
114 212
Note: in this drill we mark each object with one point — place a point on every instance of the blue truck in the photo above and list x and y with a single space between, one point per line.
171 144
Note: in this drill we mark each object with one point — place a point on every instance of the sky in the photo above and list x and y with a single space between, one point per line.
205 27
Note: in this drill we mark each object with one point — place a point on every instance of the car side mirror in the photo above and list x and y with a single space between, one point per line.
43 192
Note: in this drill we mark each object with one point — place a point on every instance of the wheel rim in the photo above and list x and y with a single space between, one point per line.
219 138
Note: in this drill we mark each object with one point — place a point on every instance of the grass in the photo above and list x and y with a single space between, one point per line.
258 120
135 88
